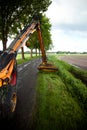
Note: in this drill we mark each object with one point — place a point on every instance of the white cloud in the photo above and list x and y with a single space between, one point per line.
69 24
65 42
58 13
68 11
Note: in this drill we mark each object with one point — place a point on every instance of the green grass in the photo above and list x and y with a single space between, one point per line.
61 98
27 58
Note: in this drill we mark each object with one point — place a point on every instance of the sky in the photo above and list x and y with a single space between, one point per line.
69 25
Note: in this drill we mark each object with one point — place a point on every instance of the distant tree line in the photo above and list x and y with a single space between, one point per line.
69 52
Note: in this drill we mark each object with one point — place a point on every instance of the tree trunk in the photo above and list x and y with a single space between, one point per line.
4 39
39 52
36 52
22 50
4 46
31 53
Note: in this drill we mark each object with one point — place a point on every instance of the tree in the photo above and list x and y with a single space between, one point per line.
14 14
46 29
46 35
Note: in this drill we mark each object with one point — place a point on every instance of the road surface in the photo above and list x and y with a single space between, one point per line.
27 78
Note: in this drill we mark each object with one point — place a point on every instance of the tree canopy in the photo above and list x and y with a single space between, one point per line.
46 35
17 13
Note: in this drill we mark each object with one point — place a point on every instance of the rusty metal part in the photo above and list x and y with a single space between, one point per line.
44 59
44 66
13 102
47 67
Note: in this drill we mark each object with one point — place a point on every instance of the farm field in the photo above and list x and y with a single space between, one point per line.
77 60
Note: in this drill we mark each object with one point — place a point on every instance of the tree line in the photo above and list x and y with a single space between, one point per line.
69 52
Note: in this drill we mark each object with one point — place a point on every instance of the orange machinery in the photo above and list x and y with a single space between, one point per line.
8 67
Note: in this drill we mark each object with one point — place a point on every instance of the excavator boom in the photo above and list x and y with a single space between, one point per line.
24 35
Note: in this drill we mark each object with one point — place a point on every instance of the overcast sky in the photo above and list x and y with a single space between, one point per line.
69 25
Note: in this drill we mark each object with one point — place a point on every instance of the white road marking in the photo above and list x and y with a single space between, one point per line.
20 68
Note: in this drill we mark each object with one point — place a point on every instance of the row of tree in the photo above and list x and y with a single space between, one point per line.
15 14
69 52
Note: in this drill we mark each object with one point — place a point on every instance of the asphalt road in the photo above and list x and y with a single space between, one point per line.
26 83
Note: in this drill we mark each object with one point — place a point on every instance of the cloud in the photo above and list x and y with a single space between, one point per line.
69 24
73 27
69 12
69 42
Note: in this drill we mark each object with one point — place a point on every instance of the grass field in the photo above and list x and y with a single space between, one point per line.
61 98
27 58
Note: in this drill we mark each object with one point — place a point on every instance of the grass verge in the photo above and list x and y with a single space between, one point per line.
27 58
61 99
